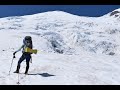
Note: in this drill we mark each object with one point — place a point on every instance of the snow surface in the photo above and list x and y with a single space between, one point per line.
72 50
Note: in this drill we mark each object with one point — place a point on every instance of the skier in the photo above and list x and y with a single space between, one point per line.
27 42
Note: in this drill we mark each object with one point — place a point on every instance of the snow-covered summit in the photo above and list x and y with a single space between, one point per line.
115 13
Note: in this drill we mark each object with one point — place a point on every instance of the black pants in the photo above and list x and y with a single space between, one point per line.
24 56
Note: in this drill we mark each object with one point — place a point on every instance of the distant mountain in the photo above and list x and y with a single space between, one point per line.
68 34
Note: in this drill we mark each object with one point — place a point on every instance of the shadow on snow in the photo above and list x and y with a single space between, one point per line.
43 74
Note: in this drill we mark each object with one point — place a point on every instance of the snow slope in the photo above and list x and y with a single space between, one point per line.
71 49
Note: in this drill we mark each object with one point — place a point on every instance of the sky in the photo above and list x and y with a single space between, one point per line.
81 10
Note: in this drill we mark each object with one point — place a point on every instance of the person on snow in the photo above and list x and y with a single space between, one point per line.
27 42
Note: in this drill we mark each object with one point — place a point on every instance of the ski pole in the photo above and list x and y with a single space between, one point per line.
11 64
18 79
31 59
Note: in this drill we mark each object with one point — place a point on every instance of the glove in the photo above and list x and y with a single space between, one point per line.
14 56
14 53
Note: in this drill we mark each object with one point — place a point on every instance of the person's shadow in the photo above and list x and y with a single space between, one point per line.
43 74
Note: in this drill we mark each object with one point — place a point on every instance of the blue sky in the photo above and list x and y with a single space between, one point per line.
82 10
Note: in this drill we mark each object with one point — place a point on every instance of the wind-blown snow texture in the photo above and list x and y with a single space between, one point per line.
72 50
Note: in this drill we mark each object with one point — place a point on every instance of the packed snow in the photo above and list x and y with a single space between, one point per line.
72 50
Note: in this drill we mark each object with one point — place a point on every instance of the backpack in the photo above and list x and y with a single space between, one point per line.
28 46
28 42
